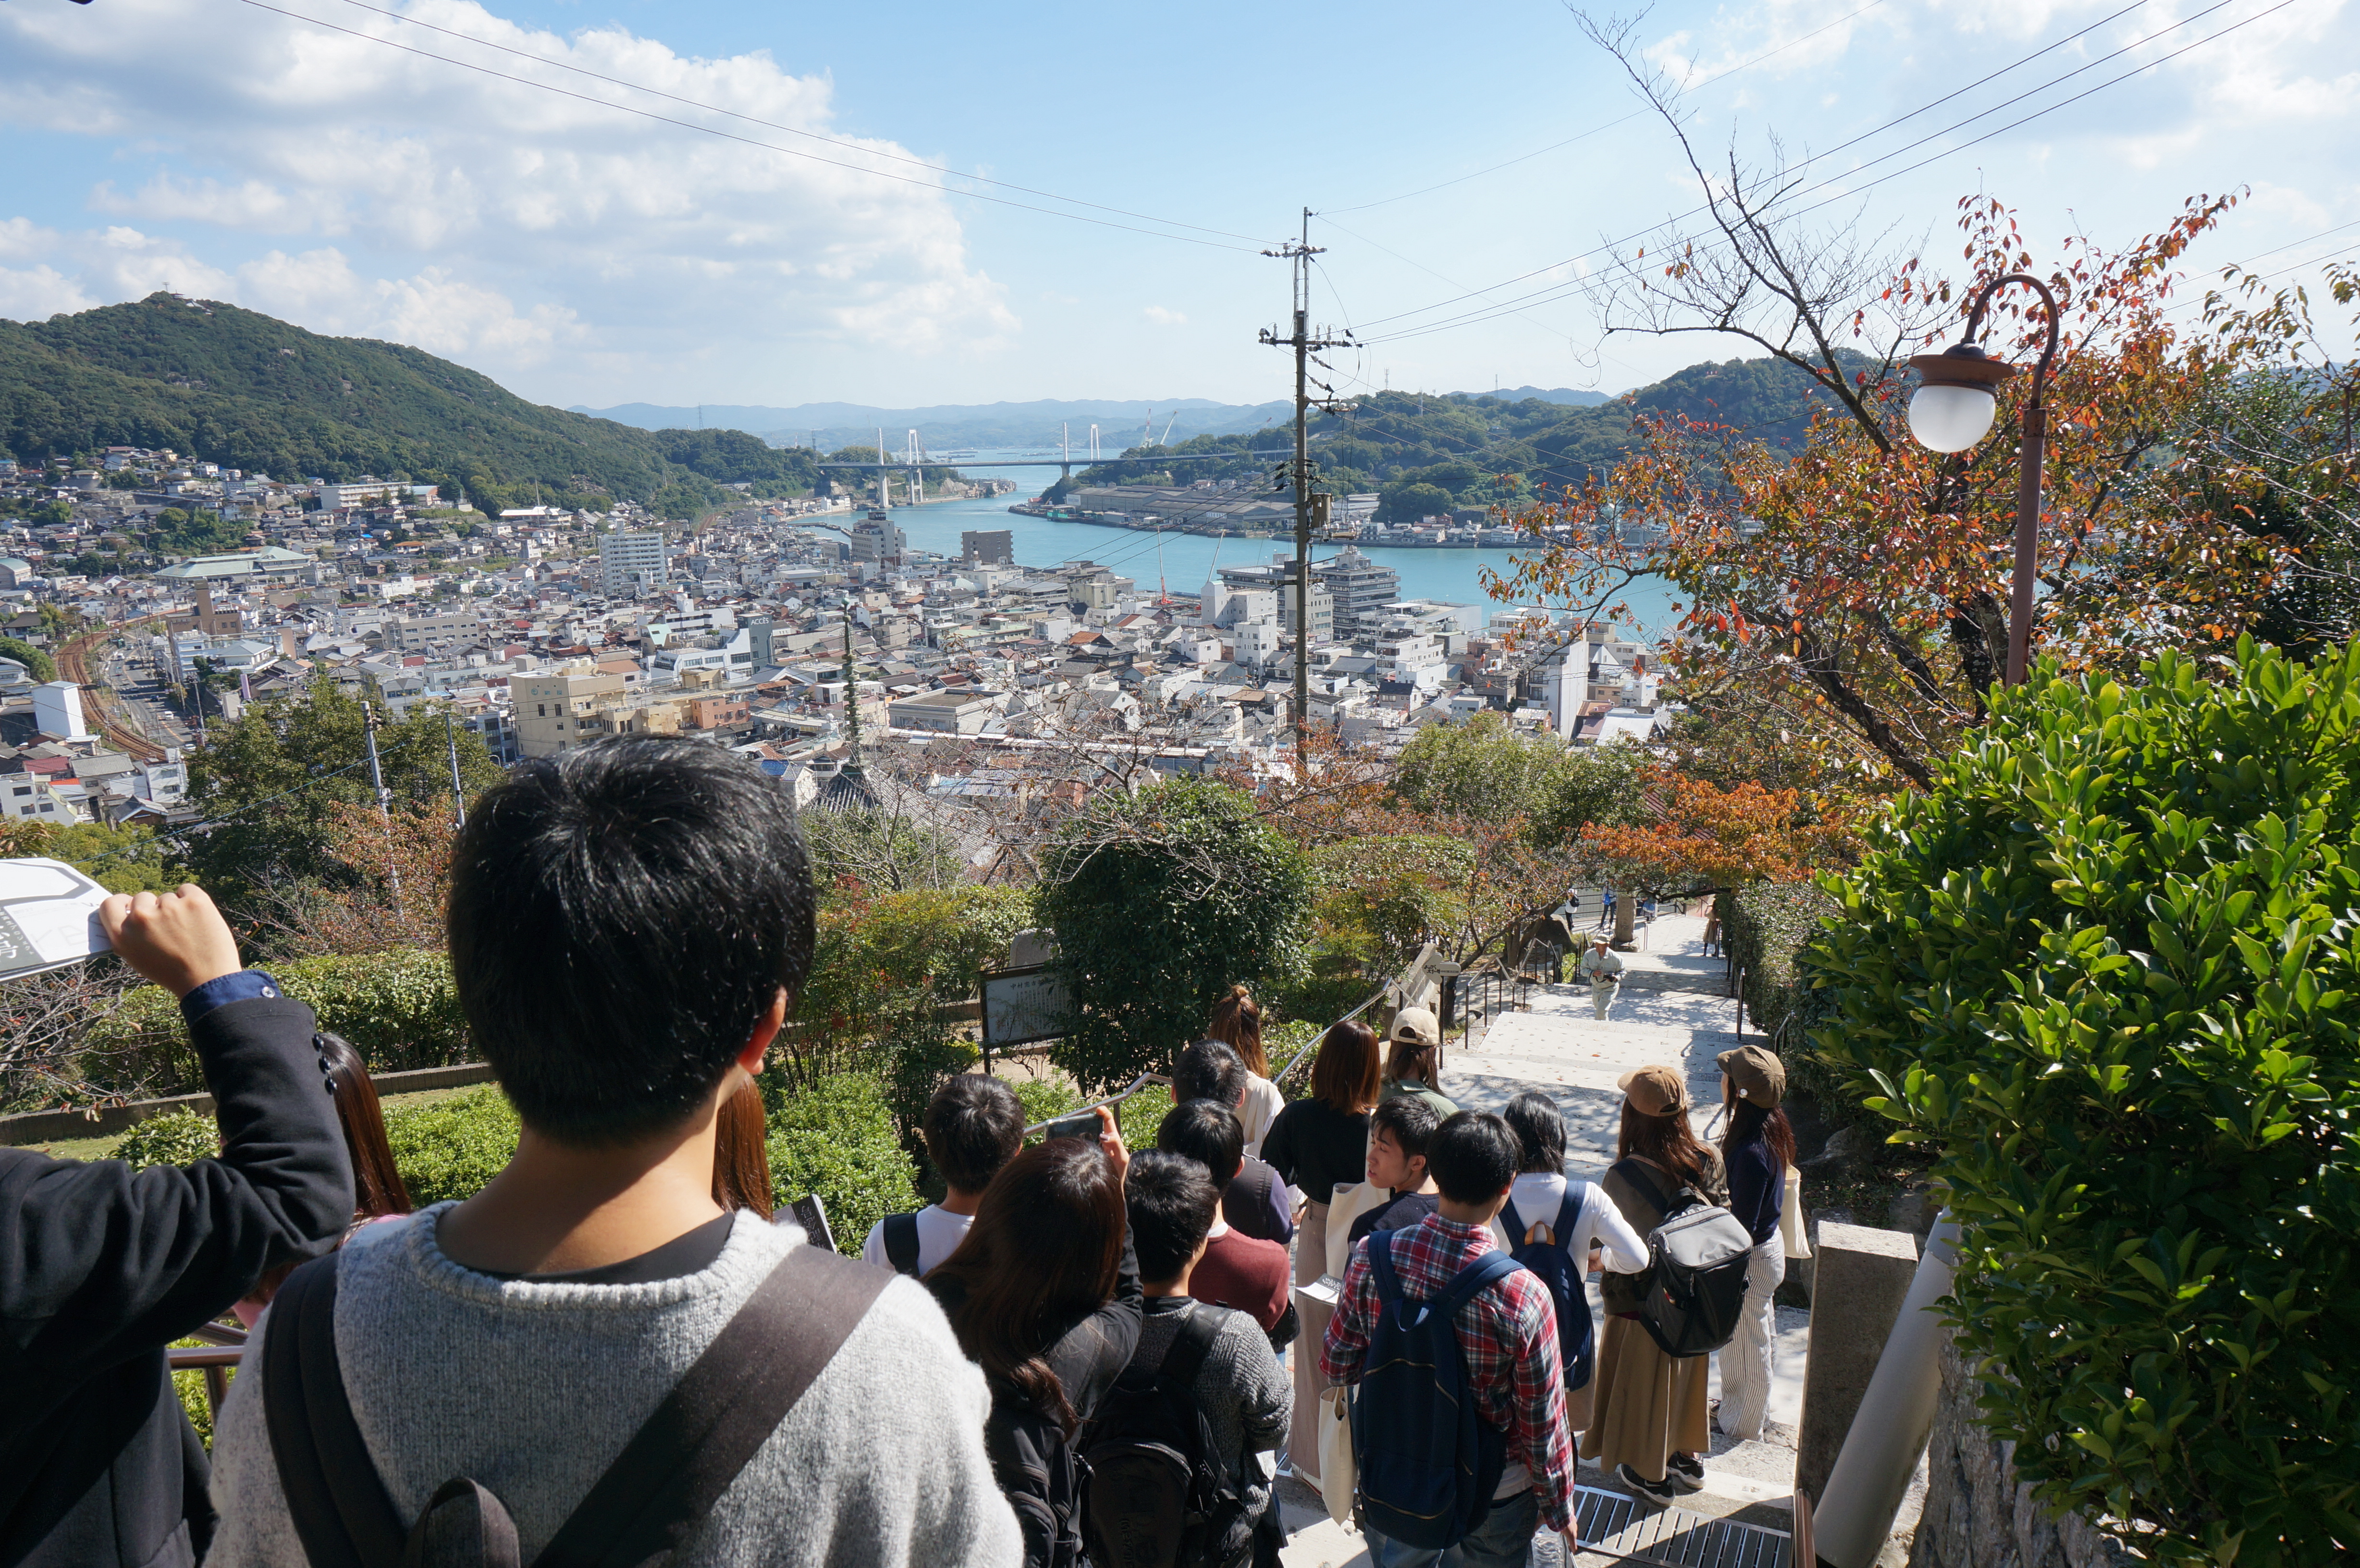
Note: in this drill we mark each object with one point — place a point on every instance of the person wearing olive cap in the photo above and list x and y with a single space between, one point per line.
1412 1046
1757 1148
1650 1425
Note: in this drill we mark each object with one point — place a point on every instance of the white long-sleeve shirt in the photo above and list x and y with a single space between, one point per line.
1537 1195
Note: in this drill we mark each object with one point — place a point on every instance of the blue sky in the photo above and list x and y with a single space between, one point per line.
586 254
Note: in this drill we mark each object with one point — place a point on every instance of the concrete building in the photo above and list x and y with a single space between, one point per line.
633 564
943 713
268 561
877 541
56 711
1360 587
552 711
995 547
411 633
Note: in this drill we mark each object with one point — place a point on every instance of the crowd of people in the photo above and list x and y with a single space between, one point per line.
1080 1354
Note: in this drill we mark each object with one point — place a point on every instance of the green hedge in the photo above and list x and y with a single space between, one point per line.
1766 927
399 1008
2107 966
176 1138
836 1138
450 1149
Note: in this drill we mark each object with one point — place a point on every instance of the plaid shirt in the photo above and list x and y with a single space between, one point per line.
1507 1332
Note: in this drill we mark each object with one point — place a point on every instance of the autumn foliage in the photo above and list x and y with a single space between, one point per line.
1700 836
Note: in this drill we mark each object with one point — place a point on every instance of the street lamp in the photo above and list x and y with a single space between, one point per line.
1953 409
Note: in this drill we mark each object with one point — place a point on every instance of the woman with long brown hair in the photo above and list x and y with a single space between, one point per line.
1757 1148
1649 1427
377 1190
1237 1023
1317 1145
1045 1295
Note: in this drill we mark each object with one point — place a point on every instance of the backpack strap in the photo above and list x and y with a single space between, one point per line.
1568 1215
1515 1224
1198 1330
335 1496
726 1405
1487 1270
901 1244
1636 1174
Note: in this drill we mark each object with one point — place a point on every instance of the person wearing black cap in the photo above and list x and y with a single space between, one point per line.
1757 1148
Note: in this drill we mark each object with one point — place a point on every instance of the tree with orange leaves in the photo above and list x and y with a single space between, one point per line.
1698 837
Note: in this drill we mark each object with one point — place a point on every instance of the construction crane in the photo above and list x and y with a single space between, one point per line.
1168 426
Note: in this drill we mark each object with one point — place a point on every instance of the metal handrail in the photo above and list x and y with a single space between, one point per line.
1136 1084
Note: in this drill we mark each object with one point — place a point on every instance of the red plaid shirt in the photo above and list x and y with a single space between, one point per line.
1507 1332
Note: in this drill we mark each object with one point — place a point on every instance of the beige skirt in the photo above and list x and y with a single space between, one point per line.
1310 1263
1649 1406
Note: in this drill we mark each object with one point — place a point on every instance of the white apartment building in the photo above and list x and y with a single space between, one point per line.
633 564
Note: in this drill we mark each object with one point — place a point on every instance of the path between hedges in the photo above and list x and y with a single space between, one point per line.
1673 1008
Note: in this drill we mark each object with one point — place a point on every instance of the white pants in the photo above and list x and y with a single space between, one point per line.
1745 1360
1601 996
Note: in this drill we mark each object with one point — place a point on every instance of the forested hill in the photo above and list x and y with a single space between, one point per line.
1424 453
239 388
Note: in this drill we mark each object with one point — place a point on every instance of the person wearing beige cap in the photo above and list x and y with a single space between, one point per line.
1412 1048
1757 1147
1650 1426
1603 967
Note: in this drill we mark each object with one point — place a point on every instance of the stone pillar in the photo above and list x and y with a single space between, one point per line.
1864 1277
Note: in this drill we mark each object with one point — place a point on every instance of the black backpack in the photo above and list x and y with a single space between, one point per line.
649 1502
1697 1256
1552 1261
1039 1473
1155 1493
901 1244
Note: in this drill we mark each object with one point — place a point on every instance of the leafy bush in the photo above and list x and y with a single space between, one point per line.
2107 965
176 1138
836 1138
1044 1098
38 664
1161 900
448 1148
1766 927
399 1008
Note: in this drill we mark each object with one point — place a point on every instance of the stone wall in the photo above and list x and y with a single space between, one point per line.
1977 1516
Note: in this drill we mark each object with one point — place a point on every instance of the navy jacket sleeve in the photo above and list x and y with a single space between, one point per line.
1756 1189
102 1266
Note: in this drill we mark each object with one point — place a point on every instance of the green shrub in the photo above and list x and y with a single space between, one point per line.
1766 927
399 1008
1044 1098
176 1138
2107 966
38 664
1160 901
448 1148
836 1138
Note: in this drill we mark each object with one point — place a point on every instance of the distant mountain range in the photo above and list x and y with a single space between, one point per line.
946 427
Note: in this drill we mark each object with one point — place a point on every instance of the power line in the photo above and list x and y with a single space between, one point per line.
790 130
749 141
1879 130
1594 130
1851 190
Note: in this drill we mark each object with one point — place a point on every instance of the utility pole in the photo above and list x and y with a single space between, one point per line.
458 790
384 799
851 691
1303 342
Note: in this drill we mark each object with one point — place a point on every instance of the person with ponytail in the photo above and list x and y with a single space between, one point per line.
1757 1147
1237 1022
1045 1295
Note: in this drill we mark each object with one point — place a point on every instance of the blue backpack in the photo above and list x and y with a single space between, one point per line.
1553 1262
1428 1462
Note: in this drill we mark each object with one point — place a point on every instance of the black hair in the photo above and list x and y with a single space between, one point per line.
1539 1127
975 1124
621 918
1209 1070
1170 1200
1207 1132
1473 1156
1409 1119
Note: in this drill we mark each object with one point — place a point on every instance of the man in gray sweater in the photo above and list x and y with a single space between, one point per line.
627 925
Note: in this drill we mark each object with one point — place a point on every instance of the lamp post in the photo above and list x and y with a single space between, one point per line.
1953 408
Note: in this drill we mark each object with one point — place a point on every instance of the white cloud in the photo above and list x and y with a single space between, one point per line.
479 217
1164 318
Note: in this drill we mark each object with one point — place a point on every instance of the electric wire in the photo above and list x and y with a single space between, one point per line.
790 130
1850 190
1248 249
1594 130
1876 131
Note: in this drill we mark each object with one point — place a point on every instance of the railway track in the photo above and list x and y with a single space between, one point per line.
113 724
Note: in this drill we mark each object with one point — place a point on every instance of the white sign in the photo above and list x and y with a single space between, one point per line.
49 917
1022 1004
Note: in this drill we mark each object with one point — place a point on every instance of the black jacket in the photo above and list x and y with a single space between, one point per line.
101 1267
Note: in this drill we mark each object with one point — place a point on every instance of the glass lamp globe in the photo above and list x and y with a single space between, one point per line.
1947 416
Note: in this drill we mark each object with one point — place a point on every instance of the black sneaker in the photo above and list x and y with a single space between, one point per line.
1655 1491
1685 1473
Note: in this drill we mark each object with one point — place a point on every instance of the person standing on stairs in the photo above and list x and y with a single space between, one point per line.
1603 967
1756 1149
